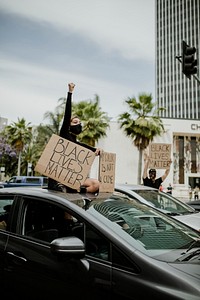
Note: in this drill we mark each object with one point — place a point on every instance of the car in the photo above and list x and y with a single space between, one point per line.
195 204
15 181
164 202
85 246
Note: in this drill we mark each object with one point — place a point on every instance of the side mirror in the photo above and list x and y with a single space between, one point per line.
71 246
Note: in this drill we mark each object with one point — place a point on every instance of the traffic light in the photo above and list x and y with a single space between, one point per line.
189 63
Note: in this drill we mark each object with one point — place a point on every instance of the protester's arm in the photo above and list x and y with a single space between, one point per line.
166 171
146 166
97 151
68 112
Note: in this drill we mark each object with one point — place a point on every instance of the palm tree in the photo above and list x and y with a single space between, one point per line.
55 119
19 135
95 122
142 124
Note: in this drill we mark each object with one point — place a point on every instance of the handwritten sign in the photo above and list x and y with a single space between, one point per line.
66 162
160 155
107 162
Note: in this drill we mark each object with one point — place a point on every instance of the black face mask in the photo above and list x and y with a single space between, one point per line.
75 129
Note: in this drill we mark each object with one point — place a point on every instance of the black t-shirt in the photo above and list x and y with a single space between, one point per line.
148 182
169 189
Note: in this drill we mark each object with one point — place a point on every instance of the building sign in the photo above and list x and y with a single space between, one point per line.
160 155
195 127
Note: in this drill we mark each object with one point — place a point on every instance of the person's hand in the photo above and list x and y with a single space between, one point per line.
71 87
97 152
169 164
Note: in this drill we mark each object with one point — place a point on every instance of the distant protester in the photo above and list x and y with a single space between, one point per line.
151 180
196 192
169 189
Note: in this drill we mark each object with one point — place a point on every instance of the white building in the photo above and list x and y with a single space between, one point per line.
183 135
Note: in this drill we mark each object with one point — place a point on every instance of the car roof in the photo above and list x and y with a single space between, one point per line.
45 192
134 186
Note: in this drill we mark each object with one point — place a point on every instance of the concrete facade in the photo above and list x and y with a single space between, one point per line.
127 154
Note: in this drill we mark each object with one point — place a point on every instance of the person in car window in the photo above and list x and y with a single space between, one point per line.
3 225
71 128
151 180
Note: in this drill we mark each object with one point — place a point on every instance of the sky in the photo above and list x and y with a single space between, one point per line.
106 47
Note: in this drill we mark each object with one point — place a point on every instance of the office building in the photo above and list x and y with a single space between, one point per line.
177 21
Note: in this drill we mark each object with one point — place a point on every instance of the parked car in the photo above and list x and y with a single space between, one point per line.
164 202
108 246
195 204
25 181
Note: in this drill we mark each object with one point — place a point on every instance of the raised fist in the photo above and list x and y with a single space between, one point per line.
71 87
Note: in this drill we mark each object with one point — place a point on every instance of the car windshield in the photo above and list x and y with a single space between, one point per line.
144 228
165 202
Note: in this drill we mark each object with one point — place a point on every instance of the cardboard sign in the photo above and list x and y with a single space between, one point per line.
107 162
66 162
160 155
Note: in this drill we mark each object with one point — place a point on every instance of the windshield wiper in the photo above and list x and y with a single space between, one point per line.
173 214
187 256
194 244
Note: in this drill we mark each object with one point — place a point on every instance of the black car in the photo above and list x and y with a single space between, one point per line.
55 244
195 204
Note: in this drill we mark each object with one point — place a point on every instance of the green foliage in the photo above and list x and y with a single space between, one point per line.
142 123
8 158
94 121
18 134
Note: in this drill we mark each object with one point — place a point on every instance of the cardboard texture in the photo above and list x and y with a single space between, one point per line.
66 162
107 162
160 155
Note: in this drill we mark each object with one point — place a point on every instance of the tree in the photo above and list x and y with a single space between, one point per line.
18 134
7 157
95 122
142 124
55 119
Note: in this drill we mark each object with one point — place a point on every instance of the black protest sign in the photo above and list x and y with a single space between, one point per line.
107 162
160 155
66 162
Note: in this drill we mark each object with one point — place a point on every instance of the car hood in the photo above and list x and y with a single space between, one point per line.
189 268
192 220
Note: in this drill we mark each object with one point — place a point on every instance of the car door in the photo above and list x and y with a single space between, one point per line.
6 202
32 269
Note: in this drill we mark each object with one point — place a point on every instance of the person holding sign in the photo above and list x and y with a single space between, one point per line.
70 129
152 181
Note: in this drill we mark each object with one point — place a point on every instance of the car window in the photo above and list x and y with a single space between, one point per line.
5 206
150 231
33 180
120 260
96 245
14 179
164 201
46 221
